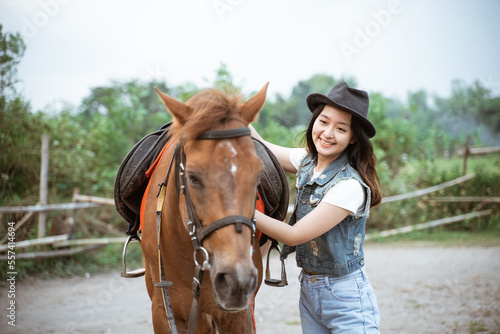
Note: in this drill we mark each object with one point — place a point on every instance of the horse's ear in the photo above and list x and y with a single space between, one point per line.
251 108
179 110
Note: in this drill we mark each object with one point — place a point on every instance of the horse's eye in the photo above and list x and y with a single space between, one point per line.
194 180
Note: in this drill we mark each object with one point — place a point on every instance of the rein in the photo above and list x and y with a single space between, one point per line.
196 231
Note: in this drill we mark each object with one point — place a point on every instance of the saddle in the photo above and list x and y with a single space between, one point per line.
131 180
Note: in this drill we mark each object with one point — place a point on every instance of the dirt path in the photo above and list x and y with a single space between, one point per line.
419 290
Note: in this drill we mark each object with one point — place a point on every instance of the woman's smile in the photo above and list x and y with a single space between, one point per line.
326 143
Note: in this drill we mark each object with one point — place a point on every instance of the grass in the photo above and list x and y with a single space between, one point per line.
477 327
489 163
443 238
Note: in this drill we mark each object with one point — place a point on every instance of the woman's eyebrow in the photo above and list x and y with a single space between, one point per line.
344 123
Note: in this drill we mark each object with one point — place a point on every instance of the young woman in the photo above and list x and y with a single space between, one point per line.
336 186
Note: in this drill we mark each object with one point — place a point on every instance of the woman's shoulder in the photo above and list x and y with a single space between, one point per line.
298 156
351 172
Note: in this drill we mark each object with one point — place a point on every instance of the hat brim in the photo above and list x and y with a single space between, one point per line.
316 99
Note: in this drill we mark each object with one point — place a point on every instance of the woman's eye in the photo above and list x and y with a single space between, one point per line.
341 129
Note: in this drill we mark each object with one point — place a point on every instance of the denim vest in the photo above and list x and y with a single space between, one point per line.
339 251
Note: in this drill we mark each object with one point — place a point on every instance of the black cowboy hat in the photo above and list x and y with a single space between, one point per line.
348 99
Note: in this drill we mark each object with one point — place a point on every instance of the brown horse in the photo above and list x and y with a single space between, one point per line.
221 172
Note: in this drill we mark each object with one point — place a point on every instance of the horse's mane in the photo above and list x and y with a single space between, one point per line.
211 110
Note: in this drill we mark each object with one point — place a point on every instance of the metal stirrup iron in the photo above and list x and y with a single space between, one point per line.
274 281
134 273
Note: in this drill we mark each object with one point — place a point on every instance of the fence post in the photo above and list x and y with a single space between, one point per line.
466 156
44 175
76 192
464 170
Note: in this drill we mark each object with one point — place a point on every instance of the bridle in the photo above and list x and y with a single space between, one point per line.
196 230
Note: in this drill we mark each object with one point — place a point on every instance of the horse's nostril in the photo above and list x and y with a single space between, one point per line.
225 283
228 284
253 281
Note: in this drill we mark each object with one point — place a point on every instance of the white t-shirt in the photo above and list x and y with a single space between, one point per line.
347 194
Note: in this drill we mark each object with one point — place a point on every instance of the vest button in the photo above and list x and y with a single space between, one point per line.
304 201
344 168
362 262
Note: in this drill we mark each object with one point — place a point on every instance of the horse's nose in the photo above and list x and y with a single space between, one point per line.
235 287
231 282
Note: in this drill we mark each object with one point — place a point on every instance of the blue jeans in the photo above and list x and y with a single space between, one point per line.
345 304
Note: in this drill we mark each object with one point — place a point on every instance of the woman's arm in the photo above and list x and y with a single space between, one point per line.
281 153
317 222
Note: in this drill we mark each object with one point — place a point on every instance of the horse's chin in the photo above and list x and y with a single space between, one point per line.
232 306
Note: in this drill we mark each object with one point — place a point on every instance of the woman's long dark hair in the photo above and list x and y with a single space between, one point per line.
361 155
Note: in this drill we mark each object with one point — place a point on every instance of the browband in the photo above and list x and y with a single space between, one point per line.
226 133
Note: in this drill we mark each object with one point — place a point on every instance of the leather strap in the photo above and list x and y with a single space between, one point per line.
164 284
226 133
193 314
237 220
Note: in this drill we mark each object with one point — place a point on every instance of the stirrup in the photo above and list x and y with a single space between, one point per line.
134 273
274 281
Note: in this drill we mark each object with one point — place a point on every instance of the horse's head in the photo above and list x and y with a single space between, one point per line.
221 179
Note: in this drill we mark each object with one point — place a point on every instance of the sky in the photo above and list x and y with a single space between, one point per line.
392 47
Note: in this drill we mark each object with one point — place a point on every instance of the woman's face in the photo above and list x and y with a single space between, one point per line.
332 133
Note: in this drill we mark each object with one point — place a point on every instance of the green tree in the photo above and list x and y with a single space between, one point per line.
224 80
490 113
395 138
470 111
115 118
293 111
19 149
12 49
19 129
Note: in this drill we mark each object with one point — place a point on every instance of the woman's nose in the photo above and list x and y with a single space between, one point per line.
329 133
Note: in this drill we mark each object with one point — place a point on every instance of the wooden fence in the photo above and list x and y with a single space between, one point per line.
83 201
58 241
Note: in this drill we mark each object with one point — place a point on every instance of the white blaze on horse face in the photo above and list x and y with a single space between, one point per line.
234 153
